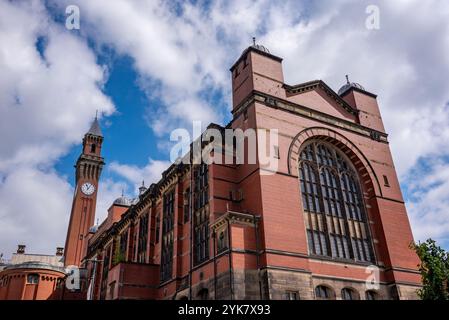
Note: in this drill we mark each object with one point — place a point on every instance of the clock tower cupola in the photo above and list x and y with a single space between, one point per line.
88 171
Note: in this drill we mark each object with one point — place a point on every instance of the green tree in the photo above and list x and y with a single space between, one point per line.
434 268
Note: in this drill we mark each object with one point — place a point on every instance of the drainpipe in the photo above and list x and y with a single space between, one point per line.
256 231
231 280
191 227
215 265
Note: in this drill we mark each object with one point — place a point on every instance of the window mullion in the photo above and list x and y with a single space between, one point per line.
345 215
322 211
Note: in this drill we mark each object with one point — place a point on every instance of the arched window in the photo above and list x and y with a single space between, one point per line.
371 295
333 205
349 294
33 278
93 148
323 292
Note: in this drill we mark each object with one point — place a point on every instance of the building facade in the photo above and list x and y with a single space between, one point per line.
32 276
326 221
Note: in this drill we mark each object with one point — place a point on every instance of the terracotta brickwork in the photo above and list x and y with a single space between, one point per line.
231 231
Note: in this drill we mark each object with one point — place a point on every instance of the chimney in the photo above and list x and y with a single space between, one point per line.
21 249
59 251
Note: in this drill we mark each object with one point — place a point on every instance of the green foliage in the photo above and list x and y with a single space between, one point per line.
118 256
434 270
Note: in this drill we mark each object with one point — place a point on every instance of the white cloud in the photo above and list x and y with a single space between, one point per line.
182 54
47 99
34 210
186 50
429 203
151 173
46 104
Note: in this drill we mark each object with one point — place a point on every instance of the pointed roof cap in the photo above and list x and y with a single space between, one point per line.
95 128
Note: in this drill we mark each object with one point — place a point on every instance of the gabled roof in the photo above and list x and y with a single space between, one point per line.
311 85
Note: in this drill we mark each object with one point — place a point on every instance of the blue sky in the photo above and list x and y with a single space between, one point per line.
152 66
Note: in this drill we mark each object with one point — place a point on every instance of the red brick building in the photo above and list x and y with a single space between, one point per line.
32 276
309 230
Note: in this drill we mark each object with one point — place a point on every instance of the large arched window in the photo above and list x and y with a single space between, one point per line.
333 205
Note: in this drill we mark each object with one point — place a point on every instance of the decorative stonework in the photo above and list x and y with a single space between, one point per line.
234 217
362 165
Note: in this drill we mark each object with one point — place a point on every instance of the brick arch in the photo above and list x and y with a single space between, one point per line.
368 178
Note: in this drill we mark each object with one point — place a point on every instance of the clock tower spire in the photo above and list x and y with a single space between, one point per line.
88 170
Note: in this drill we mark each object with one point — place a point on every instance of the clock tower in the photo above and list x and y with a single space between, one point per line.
88 170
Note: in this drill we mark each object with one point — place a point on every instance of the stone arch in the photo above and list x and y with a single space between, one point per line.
330 289
352 290
368 178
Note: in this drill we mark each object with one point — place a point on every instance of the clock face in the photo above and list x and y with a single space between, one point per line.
88 188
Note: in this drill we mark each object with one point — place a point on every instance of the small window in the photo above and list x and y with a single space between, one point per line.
33 278
157 226
222 241
187 206
386 183
322 292
348 294
245 61
291 295
236 72
93 148
276 152
371 295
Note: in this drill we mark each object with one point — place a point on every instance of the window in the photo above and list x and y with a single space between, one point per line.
276 152
134 242
290 295
245 115
348 294
245 61
93 148
33 278
333 205
201 186
187 206
201 215
386 183
123 246
236 72
143 237
167 236
322 292
158 228
370 295
222 241
201 222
